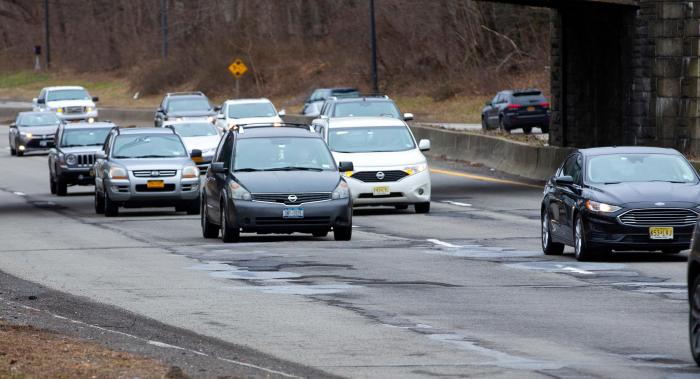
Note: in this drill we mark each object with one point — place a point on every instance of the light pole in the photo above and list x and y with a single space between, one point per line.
46 34
164 25
373 43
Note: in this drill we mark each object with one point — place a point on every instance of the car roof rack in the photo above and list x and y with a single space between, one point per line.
185 93
253 125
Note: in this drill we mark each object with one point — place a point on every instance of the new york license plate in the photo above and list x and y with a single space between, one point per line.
661 233
155 184
530 109
293 213
381 191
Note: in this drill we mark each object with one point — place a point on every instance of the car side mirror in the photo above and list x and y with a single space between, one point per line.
408 116
95 99
41 101
424 145
159 110
34 100
345 166
100 155
282 113
218 167
221 116
565 180
217 109
13 126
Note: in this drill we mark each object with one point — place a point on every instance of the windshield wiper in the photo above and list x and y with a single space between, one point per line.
294 168
668 181
247 169
156 156
607 183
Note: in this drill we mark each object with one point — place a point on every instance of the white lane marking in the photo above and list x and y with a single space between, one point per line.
443 243
457 203
20 193
151 342
576 270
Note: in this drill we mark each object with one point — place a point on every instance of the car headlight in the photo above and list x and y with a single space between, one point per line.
118 173
189 172
28 135
71 159
237 192
601 207
88 109
341 191
414 169
211 119
59 110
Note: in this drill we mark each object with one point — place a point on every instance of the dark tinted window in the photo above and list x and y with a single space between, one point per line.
529 97
345 92
188 104
625 168
572 168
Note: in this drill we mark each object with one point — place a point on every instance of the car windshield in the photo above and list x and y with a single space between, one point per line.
370 139
625 168
195 129
366 109
68 94
84 137
246 110
38 119
189 105
148 146
283 154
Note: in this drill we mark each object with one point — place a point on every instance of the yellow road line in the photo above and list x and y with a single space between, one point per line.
482 178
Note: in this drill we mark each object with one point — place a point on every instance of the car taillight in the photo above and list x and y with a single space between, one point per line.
544 104
513 106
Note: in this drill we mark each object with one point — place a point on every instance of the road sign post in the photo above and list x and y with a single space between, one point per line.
237 69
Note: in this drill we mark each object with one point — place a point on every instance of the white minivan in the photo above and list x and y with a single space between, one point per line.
389 166
247 111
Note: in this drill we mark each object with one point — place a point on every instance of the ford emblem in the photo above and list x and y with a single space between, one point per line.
292 198
380 175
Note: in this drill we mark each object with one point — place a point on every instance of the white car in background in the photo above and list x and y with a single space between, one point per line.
247 111
197 135
70 103
389 166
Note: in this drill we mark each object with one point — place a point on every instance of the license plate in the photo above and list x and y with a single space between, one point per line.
43 143
197 159
155 184
530 109
293 213
381 191
661 233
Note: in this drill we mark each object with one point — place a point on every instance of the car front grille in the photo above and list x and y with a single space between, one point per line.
659 217
374 176
144 188
85 160
74 110
372 196
283 198
154 173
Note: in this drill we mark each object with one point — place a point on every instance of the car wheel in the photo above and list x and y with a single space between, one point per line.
111 209
19 152
342 233
99 203
209 230
13 152
527 129
61 187
229 233
422 207
193 207
694 318
544 129
671 251
320 233
549 247
52 184
401 206
581 250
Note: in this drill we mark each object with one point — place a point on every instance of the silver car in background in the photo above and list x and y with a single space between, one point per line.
197 135
145 167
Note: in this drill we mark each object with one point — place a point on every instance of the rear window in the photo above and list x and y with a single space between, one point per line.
345 92
529 97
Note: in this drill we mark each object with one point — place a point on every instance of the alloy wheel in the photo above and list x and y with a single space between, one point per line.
578 237
545 231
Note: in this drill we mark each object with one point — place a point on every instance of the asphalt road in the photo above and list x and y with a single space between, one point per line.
461 292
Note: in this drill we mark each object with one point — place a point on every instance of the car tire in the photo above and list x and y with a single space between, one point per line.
229 233
671 251
422 207
527 129
52 184
581 250
401 206
320 233
111 209
13 152
99 203
694 318
61 187
342 233
548 246
19 152
501 125
193 207
209 229
544 129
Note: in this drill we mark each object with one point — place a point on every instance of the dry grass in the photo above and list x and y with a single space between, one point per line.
27 352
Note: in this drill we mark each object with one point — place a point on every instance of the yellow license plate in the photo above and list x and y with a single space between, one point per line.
155 184
661 233
197 159
530 109
381 191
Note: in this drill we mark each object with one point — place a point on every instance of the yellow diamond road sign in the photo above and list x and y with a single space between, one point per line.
238 68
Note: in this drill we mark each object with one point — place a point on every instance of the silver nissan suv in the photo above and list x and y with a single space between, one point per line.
145 167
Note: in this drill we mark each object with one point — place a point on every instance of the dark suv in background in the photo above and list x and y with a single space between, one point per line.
184 106
515 109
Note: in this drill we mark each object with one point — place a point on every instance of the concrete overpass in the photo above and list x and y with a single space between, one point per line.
625 72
